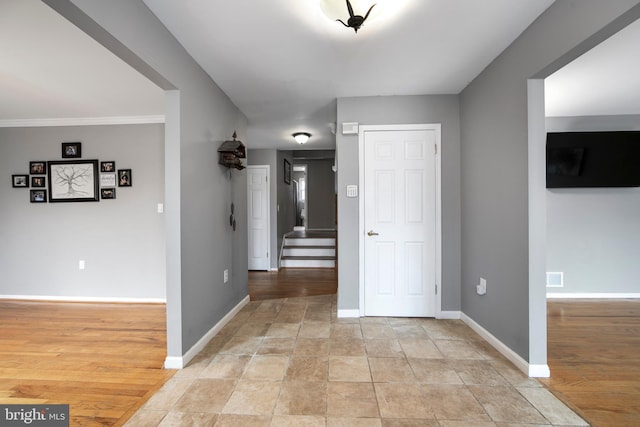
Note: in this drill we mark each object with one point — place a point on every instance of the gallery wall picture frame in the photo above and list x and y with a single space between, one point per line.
107 180
73 181
20 181
37 168
124 178
38 182
38 196
71 150
107 193
109 166
287 172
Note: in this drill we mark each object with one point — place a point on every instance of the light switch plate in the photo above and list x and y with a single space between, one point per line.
350 128
352 191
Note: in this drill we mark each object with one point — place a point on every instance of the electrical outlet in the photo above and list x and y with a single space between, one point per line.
555 279
226 276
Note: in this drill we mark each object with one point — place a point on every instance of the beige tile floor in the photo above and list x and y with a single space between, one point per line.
291 362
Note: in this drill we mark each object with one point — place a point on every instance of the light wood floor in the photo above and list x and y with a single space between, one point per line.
594 357
105 360
292 282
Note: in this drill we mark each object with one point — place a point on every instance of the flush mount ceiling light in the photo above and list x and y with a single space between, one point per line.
301 137
358 11
355 21
385 13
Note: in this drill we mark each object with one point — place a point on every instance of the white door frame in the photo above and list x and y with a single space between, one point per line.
361 229
268 168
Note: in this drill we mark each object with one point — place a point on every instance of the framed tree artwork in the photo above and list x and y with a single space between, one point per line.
73 181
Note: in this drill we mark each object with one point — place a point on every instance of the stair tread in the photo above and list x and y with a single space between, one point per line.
311 234
308 247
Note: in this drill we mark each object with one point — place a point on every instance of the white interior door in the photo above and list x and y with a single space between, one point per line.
401 190
258 217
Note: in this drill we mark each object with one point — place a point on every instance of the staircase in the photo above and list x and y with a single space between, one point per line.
309 249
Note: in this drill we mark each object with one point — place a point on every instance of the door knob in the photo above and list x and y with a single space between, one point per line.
372 233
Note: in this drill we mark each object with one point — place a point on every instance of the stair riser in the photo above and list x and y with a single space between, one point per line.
301 251
308 263
309 242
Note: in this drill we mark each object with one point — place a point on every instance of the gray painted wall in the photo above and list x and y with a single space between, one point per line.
320 194
495 175
269 157
122 241
418 109
199 192
593 234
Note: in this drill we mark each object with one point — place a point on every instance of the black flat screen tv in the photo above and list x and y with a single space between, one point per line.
593 159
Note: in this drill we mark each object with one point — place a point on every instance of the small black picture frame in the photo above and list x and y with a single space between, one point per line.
109 166
20 181
124 178
37 168
107 193
38 182
287 172
38 196
71 150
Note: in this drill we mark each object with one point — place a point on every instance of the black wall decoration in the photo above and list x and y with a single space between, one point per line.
72 180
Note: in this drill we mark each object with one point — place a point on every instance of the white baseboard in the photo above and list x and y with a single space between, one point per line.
85 299
347 314
173 363
609 295
448 315
274 269
538 371
180 362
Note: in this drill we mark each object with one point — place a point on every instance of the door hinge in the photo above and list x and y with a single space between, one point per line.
435 147
266 178
436 289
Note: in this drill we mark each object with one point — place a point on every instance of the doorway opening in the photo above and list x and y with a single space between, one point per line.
311 240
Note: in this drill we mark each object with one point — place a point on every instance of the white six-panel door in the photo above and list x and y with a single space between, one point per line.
400 221
258 217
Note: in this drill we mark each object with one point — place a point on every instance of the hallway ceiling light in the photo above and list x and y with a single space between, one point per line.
301 137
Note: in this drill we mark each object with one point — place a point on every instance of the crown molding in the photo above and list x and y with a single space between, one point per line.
82 121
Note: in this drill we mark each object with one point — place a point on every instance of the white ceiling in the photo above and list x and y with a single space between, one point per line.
50 69
604 81
284 63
